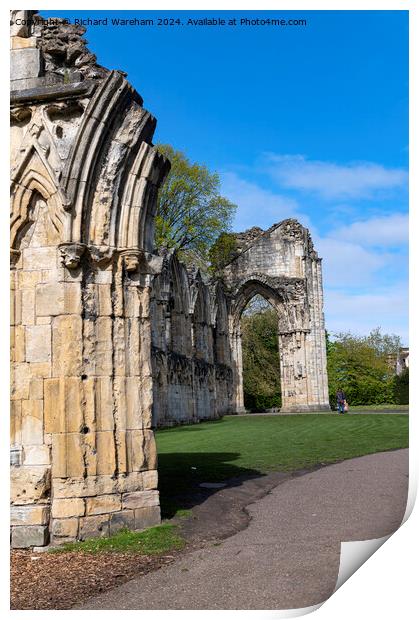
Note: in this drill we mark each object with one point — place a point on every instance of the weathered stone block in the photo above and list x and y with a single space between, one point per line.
119 347
54 412
89 390
67 346
142 453
32 422
150 479
40 369
49 299
140 499
104 404
103 349
103 276
65 528
36 455
20 42
14 320
134 393
59 456
25 63
105 300
39 258
122 451
63 396
65 508
30 536
38 343
29 484
132 481
29 515
36 389
56 298
105 446
20 381
75 460
18 334
28 306
16 422
103 504
84 487
149 516
28 279
70 401
134 350
122 519
43 320
94 527
132 302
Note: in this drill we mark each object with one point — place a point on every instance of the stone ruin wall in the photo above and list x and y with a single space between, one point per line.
84 181
196 337
281 265
110 339
193 377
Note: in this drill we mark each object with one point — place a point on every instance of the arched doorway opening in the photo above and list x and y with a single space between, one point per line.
260 354
254 295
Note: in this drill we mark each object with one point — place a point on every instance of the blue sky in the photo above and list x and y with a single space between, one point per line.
307 122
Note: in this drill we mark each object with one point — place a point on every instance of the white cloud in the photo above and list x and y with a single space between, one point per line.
360 313
257 206
357 256
347 264
331 180
389 230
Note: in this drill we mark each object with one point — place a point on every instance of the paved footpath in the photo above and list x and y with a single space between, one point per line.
288 556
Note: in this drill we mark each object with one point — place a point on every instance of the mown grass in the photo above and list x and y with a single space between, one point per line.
379 407
154 541
251 446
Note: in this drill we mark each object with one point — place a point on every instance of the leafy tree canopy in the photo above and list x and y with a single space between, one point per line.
363 366
191 213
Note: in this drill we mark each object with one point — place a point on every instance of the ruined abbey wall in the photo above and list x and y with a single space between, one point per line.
281 265
196 337
193 377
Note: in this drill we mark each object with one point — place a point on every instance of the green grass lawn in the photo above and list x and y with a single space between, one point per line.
379 407
154 541
251 446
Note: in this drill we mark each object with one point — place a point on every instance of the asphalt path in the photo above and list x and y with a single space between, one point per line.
288 556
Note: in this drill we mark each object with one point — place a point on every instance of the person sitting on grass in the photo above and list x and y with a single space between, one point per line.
341 399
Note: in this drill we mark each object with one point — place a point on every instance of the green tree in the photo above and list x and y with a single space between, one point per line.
261 374
401 388
191 213
222 252
361 366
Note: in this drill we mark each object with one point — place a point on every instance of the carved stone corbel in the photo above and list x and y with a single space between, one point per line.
131 260
144 262
71 254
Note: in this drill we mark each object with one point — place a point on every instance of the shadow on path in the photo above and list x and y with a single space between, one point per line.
180 476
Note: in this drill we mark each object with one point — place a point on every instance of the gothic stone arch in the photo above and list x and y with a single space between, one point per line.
84 180
281 265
